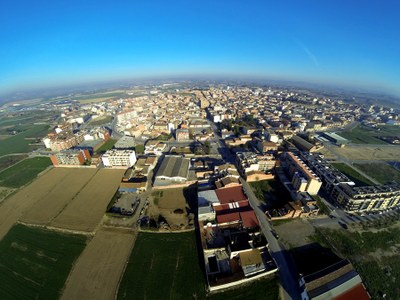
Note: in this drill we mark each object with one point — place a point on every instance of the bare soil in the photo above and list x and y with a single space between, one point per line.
86 210
48 207
15 206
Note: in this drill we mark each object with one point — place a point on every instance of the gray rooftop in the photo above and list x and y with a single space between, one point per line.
174 166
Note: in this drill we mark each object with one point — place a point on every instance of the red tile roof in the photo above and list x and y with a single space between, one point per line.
230 194
228 218
249 219
222 208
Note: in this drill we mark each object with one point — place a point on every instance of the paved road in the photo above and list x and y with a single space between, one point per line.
287 271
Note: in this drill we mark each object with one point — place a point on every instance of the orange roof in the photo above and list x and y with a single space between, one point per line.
228 218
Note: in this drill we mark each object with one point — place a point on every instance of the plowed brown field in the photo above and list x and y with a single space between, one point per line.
15 206
86 210
49 206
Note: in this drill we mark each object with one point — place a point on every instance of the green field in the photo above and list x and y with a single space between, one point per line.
7 161
382 172
367 135
163 266
353 175
35 263
23 172
18 143
375 255
106 146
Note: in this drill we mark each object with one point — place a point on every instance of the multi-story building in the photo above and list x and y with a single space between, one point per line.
249 161
63 141
119 158
303 179
365 198
70 157
182 134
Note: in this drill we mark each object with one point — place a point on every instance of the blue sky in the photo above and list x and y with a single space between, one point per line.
50 43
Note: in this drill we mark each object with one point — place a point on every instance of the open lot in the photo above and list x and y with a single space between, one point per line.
295 233
35 263
380 171
375 256
163 266
97 271
87 208
50 206
358 179
365 152
172 205
23 172
16 205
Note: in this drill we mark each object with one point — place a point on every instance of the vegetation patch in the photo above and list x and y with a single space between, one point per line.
272 192
353 175
163 266
20 142
23 172
8 161
35 263
374 255
382 172
106 146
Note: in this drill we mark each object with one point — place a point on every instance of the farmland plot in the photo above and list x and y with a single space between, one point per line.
97 271
48 207
15 206
86 210
35 263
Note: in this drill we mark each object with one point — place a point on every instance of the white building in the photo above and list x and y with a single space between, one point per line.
119 158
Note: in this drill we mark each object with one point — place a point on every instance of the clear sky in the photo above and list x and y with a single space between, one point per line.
352 42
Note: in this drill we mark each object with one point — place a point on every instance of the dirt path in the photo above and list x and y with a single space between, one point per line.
98 270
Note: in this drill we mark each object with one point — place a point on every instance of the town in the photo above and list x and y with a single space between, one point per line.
251 187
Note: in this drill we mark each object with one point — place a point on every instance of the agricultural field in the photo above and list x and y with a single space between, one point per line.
20 143
98 270
35 263
358 179
23 172
368 135
16 205
374 254
86 209
367 152
382 172
50 206
163 266
8 161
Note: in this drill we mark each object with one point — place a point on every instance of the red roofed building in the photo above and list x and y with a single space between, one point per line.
228 219
249 219
221 209
230 194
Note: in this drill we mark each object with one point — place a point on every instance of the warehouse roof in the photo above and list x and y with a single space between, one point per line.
174 166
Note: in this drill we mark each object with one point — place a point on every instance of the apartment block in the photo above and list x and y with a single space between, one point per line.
119 158
70 157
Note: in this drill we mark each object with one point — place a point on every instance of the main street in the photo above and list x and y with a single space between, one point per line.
287 272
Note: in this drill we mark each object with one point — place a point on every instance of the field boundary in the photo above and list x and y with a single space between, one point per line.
56 229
